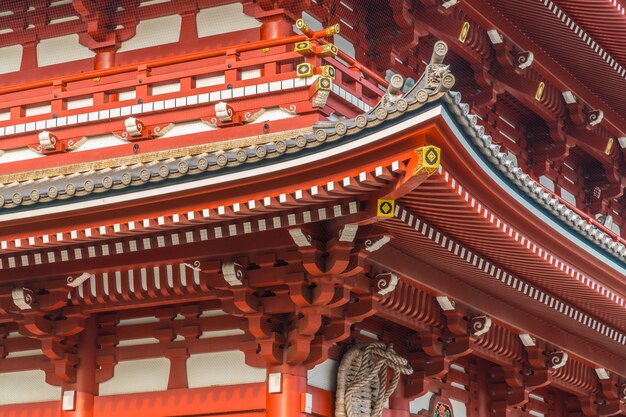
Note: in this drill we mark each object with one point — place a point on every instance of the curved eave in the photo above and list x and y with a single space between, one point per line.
351 152
345 162
526 204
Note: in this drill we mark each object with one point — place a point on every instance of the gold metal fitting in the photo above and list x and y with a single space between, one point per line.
385 208
304 48
428 160
328 71
539 93
329 50
609 147
332 30
304 70
324 84
302 26
464 32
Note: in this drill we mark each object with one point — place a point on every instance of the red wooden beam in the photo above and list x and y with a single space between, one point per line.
453 286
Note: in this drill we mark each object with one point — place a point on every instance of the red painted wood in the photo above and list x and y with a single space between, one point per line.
45 409
288 402
243 400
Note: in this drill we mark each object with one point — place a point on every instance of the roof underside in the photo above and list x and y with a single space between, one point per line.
585 36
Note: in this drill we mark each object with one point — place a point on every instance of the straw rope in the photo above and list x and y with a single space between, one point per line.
362 379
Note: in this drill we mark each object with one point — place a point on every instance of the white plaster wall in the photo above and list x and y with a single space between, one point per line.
221 368
26 387
11 58
154 32
145 375
459 408
210 80
324 375
223 19
61 49
546 182
421 403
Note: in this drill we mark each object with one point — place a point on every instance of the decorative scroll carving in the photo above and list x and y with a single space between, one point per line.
373 246
135 129
362 379
557 359
250 117
524 59
47 140
480 325
233 273
194 267
22 298
77 281
224 112
386 282
594 117
49 143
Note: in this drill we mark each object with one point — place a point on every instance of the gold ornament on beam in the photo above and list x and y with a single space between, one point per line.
305 48
464 32
609 147
539 93
329 50
332 30
304 70
429 159
303 27
328 71
324 84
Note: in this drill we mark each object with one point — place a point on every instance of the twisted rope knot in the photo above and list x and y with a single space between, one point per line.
362 380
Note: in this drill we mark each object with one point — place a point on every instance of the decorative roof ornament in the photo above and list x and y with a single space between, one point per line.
374 245
321 91
312 50
594 117
224 112
22 298
135 129
79 280
233 273
49 143
480 325
386 283
557 359
524 59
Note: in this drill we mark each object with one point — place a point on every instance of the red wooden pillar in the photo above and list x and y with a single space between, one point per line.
286 391
178 368
398 403
276 26
189 30
29 55
105 57
482 385
85 373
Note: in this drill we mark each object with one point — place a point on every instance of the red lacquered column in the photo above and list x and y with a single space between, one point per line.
285 397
